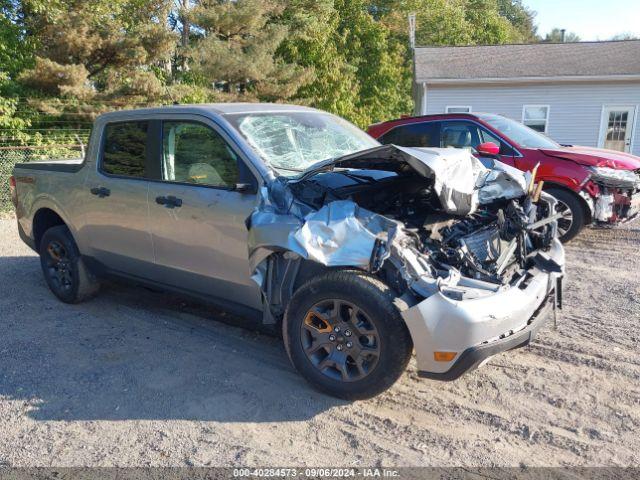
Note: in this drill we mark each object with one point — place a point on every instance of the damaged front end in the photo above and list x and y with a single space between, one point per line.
616 194
471 252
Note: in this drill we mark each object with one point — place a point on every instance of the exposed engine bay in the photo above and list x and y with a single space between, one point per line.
422 220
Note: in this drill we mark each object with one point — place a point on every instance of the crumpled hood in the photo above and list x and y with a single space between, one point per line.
596 157
461 181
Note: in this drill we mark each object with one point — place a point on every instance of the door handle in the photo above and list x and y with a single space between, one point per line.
169 202
100 192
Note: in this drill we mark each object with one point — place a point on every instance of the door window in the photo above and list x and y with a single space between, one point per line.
194 153
124 149
413 135
460 134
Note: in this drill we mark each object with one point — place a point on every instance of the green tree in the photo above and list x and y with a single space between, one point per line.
448 22
16 48
237 49
521 17
89 50
380 63
315 44
361 72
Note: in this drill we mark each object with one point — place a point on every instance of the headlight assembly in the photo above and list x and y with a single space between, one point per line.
612 177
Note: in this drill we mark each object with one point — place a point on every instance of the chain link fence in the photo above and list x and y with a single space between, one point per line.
9 156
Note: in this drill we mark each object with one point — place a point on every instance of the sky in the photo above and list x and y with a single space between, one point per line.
590 19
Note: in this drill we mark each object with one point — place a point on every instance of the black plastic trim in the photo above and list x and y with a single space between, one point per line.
52 166
101 270
26 238
472 357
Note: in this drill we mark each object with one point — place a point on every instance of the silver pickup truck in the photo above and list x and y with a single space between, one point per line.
362 253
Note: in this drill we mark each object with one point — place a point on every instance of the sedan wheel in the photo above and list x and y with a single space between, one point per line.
574 213
566 221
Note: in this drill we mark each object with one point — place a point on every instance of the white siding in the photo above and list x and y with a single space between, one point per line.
576 109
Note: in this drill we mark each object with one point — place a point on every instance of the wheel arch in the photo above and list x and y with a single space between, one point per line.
585 206
43 220
285 274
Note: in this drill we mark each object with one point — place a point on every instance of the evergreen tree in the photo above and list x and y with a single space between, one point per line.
237 49
95 50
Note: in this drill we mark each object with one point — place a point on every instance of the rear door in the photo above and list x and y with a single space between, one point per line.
116 221
197 214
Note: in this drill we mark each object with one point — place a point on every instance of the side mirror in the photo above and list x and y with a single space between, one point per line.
488 148
244 188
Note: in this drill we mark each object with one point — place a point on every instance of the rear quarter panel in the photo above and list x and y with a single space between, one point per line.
41 188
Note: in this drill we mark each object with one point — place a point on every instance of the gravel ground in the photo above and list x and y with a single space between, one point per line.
135 378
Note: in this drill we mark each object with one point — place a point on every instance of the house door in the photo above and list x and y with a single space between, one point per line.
617 128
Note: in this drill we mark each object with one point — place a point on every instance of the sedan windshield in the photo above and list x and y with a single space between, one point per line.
293 141
519 133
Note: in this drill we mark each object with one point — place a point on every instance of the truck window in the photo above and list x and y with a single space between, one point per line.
194 153
426 134
124 150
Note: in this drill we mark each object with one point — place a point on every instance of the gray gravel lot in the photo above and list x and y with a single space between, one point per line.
136 378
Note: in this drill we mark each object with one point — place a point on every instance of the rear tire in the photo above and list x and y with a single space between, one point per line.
64 270
371 347
570 226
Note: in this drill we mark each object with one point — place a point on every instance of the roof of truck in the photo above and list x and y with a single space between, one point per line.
217 108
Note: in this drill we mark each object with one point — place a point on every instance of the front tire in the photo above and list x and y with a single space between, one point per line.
345 336
574 216
64 271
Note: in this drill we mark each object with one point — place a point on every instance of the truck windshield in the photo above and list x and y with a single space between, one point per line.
293 141
519 133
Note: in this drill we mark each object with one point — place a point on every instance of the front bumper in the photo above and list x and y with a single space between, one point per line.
631 209
616 205
476 329
472 357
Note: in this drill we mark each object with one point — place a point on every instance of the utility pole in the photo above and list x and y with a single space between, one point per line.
412 30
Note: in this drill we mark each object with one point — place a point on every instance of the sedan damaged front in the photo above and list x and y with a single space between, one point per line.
469 253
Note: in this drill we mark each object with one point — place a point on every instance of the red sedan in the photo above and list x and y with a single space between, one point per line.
592 185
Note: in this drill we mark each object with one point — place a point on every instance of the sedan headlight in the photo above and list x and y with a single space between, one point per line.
612 177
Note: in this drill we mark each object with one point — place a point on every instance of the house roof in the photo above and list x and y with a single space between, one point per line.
528 62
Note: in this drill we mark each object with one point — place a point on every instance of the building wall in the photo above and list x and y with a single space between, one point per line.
575 109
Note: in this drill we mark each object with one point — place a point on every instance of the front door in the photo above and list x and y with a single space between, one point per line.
617 128
198 218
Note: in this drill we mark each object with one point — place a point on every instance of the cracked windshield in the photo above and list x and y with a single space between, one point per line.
293 141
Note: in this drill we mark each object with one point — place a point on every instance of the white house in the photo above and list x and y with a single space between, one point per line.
585 93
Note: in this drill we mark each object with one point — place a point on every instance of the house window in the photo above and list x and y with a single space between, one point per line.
536 117
458 109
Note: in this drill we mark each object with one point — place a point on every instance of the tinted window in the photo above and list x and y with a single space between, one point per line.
413 135
194 153
125 149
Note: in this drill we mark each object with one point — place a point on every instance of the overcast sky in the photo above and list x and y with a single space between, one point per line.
590 19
